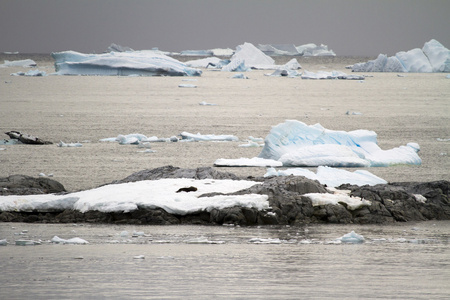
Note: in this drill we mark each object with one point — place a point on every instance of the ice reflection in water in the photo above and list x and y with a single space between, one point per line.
407 261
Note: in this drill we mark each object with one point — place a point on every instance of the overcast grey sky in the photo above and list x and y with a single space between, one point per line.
349 27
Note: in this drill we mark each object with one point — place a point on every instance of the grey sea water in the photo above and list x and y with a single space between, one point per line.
398 261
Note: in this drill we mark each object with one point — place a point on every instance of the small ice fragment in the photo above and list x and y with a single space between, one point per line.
207 104
187 85
27 243
42 175
3 242
124 233
139 257
352 238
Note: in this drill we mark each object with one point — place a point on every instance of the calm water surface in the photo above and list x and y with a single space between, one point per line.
402 261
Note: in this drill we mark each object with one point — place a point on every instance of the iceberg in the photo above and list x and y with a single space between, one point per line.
433 57
118 48
314 50
250 55
278 49
31 73
19 63
126 197
143 63
207 137
331 177
330 75
204 62
296 144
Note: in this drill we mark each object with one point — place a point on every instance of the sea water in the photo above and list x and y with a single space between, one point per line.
397 261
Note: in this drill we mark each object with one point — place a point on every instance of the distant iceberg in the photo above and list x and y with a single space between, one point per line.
433 57
247 162
291 50
251 56
207 137
330 75
118 48
143 63
19 63
296 144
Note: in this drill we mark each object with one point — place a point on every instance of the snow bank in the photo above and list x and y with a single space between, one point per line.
296 144
143 63
331 177
433 57
338 198
149 194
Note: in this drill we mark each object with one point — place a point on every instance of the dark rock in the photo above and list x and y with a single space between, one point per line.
27 185
395 202
26 138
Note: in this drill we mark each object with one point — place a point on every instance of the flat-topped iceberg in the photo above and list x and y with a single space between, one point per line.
433 57
296 144
19 63
143 63
290 49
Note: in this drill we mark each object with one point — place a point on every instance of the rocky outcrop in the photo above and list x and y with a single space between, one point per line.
26 138
27 185
395 202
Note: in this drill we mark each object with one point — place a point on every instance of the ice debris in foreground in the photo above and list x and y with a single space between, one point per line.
75 240
433 57
330 176
144 63
352 238
31 73
149 194
296 144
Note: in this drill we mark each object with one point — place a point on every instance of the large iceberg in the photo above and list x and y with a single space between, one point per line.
291 49
433 57
296 144
314 50
144 63
251 56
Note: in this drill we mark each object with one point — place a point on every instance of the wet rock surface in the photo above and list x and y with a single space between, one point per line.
394 202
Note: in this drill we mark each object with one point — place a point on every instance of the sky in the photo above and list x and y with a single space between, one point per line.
348 27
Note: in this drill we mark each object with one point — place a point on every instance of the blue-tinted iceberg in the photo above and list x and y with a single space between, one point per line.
296 144
433 57
19 63
143 63
248 56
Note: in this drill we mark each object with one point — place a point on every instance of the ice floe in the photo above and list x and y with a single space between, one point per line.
73 241
62 144
331 177
30 73
296 144
352 238
144 63
150 194
207 137
433 57
19 63
330 75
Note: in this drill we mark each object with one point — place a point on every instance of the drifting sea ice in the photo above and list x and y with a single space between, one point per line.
73 241
331 177
19 63
207 137
296 144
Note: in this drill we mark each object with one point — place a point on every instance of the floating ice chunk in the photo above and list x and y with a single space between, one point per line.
239 76
139 257
62 144
247 162
31 73
352 238
10 142
75 240
251 144
144 63
264 241
27 243
133 138
19 63
186 85
207 104
196 53
448 76
236 65
296 144
251 55
433 57
331 177
314 50
202 240
330 75
338 198
278 49
203 63
208 137
3 242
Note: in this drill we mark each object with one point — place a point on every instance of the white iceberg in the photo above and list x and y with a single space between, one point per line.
352 238
31 73
433 57
73 241
314 50
208 137
19 63
330 75
247 162
251 56
137 139
278 49
331 177
296 144
204 62
150 194
144 63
